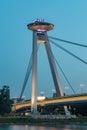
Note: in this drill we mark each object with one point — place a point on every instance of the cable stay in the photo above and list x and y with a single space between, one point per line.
68 52
63 72
61 40
26 76
64 76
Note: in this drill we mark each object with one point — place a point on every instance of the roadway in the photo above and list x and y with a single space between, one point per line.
58 100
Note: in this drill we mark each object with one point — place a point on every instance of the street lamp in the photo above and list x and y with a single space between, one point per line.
42 93
82 86
54 93
66 90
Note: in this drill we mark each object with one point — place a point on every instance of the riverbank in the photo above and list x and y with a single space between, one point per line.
46 122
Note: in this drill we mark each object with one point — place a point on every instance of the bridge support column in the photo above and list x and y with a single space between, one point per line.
54 72
56 80
34 75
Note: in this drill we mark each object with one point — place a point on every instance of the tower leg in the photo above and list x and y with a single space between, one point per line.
56 80
34 75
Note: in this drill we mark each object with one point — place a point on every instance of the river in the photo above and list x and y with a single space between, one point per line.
59 127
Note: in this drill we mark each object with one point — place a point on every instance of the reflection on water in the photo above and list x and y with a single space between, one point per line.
27 127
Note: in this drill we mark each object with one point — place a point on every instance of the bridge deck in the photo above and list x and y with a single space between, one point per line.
58 100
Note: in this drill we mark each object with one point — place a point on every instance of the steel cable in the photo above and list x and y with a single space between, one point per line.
74 43
68 52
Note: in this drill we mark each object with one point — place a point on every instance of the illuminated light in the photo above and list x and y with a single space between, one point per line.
53 90
82 85
39 98
66 87
42 93
41 30
40 41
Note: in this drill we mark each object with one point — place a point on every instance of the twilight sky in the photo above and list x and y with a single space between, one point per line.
70 23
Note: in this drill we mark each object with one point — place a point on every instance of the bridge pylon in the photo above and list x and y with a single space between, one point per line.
40 28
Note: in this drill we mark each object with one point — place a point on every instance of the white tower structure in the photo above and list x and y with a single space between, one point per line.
40 28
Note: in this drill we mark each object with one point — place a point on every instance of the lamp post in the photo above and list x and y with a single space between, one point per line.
82 86
54 93
66 90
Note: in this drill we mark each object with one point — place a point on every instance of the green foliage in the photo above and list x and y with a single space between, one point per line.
5 102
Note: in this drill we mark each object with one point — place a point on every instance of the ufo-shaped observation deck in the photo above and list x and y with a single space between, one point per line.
40 25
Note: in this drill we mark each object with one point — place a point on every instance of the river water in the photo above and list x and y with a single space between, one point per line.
59 127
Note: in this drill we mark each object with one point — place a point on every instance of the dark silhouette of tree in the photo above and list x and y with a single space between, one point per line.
5 102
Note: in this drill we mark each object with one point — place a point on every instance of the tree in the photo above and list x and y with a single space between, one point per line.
5 102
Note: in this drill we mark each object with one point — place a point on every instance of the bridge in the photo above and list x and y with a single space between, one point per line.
74 101
40 28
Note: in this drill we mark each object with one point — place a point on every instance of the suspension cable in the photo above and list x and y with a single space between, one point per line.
63 72
58 39
64 75
68 52
26 76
